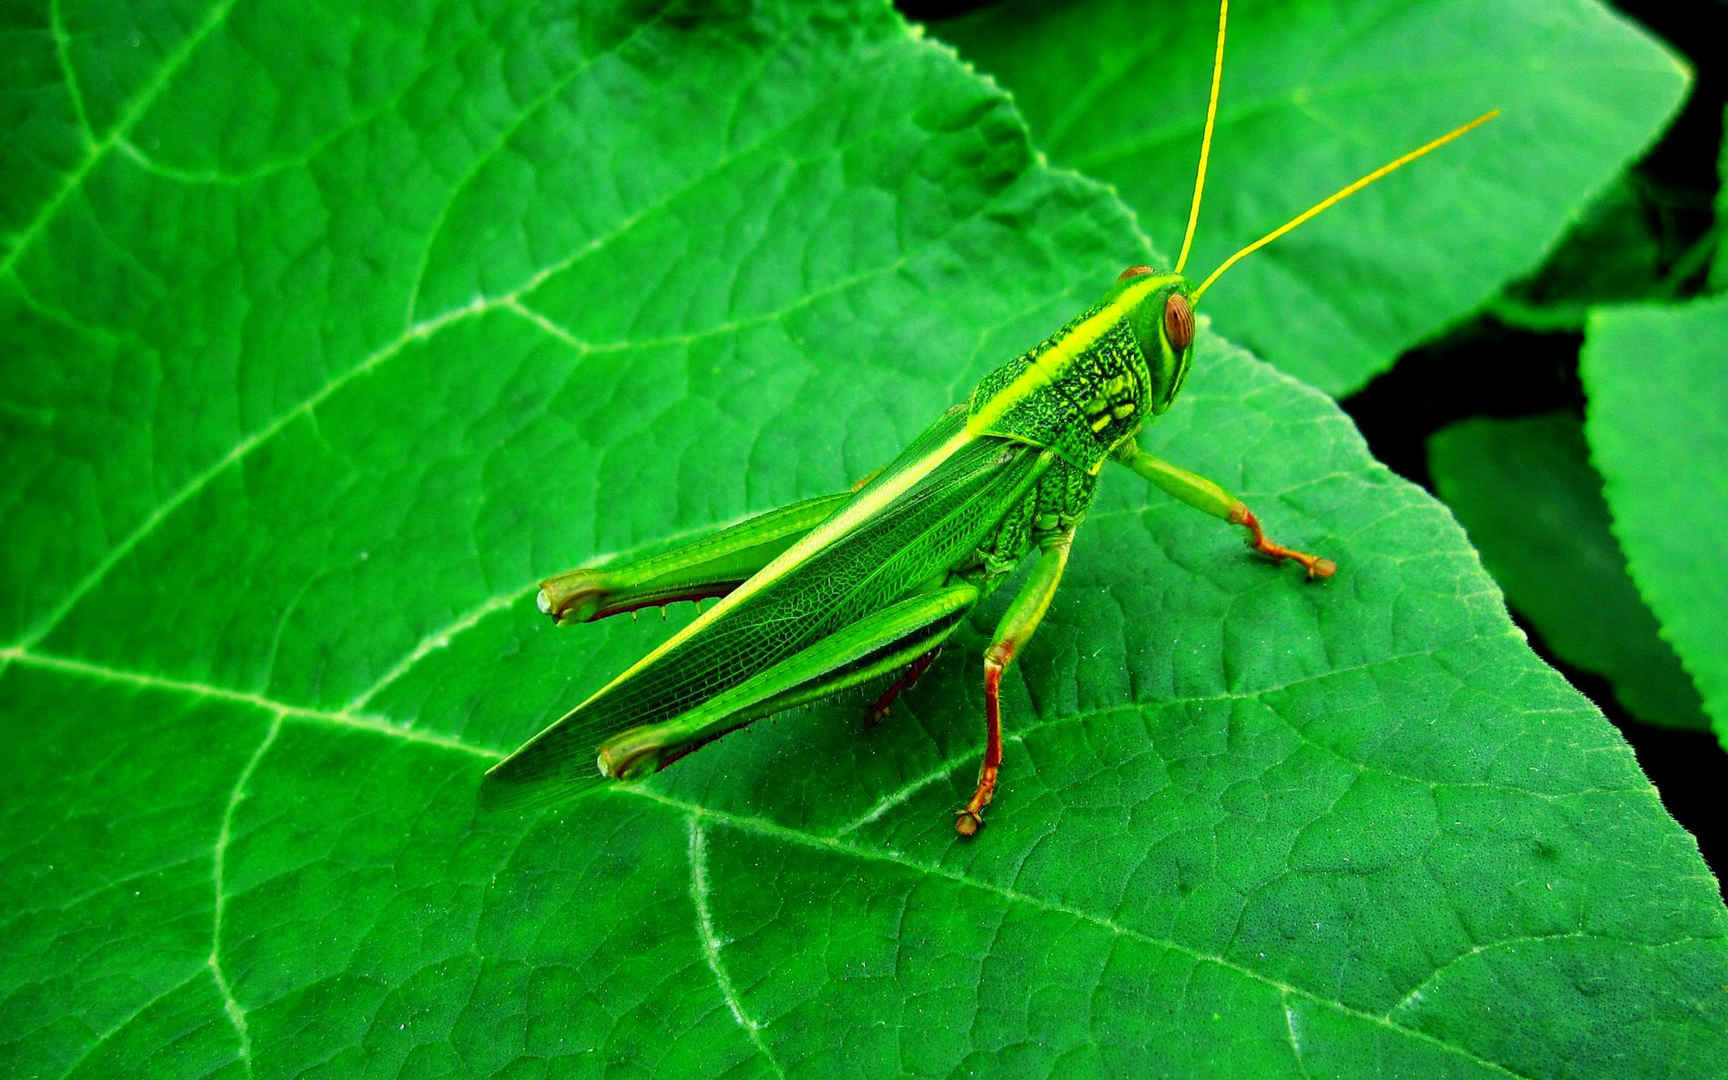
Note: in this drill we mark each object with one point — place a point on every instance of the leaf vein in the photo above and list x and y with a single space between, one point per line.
231 1006
378 725
57 27
129 117
711 943
480 160
131 1018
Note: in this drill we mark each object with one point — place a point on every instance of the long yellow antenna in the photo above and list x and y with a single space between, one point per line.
1339 196
1206 139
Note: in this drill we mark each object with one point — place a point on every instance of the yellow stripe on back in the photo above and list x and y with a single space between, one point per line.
1049 365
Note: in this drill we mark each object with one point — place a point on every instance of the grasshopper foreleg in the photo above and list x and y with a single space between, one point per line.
1203 494
1016 627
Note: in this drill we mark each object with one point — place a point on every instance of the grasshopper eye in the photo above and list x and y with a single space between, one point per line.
1134 272
1178 321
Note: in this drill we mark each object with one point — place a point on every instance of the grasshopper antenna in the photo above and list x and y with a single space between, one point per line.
1333 199
1205 139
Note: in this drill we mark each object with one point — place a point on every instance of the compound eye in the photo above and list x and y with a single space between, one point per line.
1134 272
1178 321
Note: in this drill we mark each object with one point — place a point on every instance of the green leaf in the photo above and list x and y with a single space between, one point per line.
341 330
1533 506
1657 386
1315 95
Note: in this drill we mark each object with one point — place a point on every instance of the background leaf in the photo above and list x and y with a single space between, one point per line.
1655 424
1314 95
1533 506
313 376
1719 263
1612 253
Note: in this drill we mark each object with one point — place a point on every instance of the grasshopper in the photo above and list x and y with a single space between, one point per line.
854 587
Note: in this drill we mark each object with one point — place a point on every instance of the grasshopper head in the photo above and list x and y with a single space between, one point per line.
1163 325
1086 389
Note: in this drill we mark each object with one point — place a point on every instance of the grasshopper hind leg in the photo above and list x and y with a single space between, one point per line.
851 655
710 564
562 760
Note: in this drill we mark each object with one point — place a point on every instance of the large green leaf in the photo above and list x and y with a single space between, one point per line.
1525 490
1658 395
1314 95
335 333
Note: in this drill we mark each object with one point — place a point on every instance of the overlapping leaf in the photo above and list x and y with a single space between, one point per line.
331 336
1611 255
1658 399
1533 505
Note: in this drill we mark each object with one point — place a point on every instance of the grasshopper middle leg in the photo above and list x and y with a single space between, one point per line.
1017 625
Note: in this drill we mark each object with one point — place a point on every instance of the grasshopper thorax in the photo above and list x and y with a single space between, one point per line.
1091 385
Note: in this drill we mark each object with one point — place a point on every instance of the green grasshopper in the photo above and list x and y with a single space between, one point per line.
833 592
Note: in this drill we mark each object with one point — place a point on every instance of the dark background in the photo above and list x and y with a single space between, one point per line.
1537 371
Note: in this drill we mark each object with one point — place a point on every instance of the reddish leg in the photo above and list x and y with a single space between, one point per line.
880 709
1018 623
970 818
1316 566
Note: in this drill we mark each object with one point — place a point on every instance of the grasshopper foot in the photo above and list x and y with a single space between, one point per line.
1316 566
